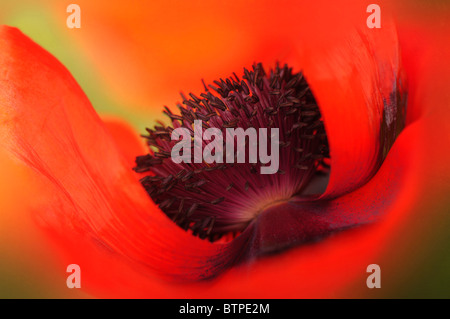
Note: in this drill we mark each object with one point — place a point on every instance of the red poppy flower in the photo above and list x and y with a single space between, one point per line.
89 201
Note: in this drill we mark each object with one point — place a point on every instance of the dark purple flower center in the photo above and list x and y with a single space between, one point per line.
215 199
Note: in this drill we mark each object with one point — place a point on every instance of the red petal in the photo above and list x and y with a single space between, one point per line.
128 142
359 85
90 198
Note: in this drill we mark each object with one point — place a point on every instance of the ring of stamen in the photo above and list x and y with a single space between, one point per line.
214 199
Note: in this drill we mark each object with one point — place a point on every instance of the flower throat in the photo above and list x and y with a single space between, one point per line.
221 197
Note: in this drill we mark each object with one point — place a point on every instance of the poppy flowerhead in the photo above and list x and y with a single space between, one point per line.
230 191
334 120
338 112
